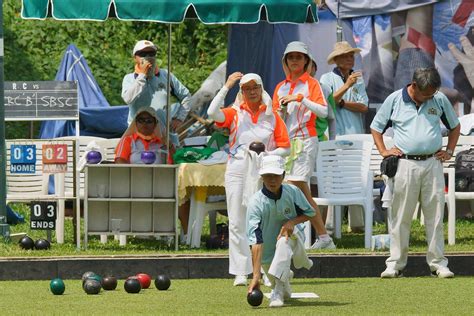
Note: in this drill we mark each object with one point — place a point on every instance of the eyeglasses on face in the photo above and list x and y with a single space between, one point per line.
249 89
145 54
146 120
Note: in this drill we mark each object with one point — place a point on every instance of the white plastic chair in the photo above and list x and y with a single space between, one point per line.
197 212
464 143
344 178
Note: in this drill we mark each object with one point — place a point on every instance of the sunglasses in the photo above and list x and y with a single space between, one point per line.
146 120
145 54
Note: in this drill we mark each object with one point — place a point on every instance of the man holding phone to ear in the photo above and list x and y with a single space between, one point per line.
146 86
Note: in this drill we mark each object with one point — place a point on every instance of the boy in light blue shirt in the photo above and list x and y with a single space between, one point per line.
274 230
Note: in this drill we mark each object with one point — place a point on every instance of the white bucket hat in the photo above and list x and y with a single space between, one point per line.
341 48
133 126
141 45
298 47
266 99
272 164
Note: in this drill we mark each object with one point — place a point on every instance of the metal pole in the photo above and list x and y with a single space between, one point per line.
168 96
4 228
338 23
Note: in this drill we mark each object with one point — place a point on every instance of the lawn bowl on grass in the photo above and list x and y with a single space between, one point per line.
132 285
109 283
57 286
162 282
92 287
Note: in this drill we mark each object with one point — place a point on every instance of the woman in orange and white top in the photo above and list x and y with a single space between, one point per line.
300 99
143 134
251 118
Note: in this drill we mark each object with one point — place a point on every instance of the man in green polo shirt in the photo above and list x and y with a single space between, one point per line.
414 113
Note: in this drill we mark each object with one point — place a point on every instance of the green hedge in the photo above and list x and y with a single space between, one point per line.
33 50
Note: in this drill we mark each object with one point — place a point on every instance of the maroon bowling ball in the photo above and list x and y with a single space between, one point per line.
109 283
257 147
148 157
93 157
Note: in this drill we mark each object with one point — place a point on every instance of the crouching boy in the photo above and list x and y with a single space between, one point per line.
273 215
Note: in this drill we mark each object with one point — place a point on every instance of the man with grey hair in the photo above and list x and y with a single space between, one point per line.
414 113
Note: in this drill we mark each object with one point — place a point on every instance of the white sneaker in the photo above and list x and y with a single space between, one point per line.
266 280
443 272
276 299
240 280
326 244
390 274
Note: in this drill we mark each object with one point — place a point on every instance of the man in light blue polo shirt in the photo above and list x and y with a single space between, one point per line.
351 103
348 89
274 215
146 86
414 113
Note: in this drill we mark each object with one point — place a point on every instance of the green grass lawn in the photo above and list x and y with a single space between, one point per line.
354 296
349 243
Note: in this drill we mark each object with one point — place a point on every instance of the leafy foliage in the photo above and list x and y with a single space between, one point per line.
33 50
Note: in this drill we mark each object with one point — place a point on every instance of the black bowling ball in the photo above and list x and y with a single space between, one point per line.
27 243
42 244
132 285
257 147
162 282
92 286
255 297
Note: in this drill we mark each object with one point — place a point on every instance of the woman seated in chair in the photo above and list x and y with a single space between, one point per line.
143 141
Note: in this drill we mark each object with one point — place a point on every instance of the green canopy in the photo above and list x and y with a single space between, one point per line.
174 11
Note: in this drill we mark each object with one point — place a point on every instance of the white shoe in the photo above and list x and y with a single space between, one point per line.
390 274
266 280
277 297
443 272
326 244
240 280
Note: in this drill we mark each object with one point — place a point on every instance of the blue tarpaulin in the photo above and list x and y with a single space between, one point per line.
97 117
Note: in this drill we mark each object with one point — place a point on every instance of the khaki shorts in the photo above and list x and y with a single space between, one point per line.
302 164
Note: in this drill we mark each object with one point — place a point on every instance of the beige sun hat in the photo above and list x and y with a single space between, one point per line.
341 48
298 47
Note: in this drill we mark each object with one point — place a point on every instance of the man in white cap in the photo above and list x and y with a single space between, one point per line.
351 103
146 86
274 215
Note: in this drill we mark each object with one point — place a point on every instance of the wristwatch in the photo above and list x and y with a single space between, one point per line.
342 103
450 152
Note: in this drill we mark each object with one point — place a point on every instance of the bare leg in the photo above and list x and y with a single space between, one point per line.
317 220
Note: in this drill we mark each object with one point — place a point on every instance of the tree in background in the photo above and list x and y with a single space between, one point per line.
33 50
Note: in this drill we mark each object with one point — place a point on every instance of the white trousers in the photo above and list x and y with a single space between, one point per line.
287 250
240 257
415 181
